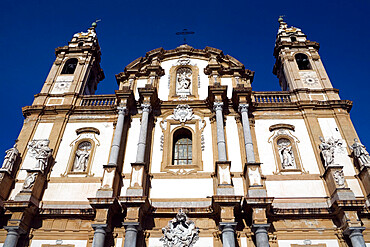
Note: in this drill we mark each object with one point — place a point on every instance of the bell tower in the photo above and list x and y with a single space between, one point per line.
299 67
76 71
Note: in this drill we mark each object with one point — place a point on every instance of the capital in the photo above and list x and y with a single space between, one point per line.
218 106
243 108
146 107
122 110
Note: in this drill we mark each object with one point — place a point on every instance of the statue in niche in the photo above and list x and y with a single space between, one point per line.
82 157
286 154
10 158
180 232
40 150
30 180
360 154
183 81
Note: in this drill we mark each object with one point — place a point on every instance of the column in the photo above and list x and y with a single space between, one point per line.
221 146
248 143
99 235
12 236
131 234
262 237
355 234
117 136
228 234
143 131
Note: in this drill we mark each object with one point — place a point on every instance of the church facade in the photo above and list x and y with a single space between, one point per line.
185 153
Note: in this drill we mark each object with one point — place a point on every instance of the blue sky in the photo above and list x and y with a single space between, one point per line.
246 30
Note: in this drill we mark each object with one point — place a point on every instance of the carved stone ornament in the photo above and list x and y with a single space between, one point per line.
339 178
360 154
309 77
82 157
183 113
40 151
10 158
331 150
183 81
286 154
29 181
180 232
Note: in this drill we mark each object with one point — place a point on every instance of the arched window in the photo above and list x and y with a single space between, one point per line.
70 66
302 61
82 156
293 39
182 147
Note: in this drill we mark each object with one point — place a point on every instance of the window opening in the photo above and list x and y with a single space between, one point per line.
182 149
302 61
70 66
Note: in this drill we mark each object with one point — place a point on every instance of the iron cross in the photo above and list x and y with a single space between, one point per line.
184 33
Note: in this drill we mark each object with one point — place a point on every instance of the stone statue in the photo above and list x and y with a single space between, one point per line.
41 152
180 232
183 81
10 158
327 151
30 180
286 154
82 157
360 154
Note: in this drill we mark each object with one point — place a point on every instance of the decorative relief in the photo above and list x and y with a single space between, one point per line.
183 81
180 232
183 113
339 178
10 158
360 154
29 181
161 142
184 61
224 174
136 176
62 84
39 150
182 171
254 176
309 77
332 151
202 142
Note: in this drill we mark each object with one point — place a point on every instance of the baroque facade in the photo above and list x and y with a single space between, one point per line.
185 153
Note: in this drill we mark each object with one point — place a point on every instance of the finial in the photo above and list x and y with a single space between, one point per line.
95 23
281 18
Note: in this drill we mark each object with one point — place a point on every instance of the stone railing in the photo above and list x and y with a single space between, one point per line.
271 97
98 100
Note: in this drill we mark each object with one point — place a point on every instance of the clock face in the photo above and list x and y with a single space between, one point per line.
309 78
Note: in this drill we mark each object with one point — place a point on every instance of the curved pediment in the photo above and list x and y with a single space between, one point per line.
150 65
